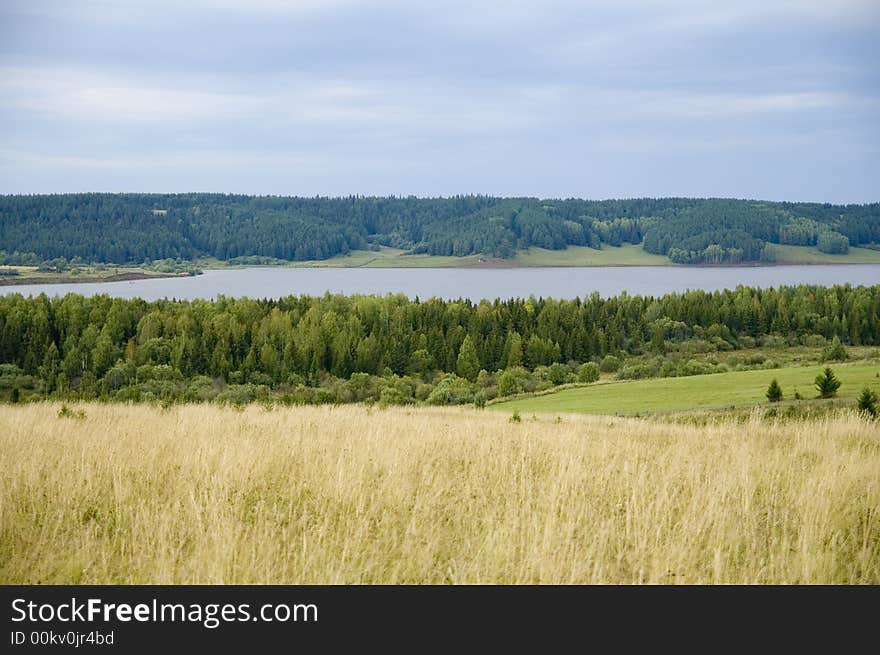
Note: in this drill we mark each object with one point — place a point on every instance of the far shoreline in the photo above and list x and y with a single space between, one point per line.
13 281
516 265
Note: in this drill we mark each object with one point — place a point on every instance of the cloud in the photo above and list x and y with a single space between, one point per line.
98 97
444 97
432 105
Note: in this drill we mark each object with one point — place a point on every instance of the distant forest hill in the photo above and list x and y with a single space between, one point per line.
131 228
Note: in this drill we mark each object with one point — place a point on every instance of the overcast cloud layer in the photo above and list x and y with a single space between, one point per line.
769 99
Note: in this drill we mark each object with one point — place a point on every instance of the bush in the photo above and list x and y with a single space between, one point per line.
772 341
695 367
241 394
451 390
814 340
609 364
834 352
325 396
201 389
639 371
746 341
515 380
588 372
393 396
66 412
557 373
423 391
507 384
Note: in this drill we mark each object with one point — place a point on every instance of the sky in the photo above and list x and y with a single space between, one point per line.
769 99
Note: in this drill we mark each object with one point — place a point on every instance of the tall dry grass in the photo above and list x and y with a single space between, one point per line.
202 494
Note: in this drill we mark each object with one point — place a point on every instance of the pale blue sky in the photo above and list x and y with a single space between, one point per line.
774 99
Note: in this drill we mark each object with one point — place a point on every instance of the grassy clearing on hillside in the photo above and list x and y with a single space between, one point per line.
201 494
811 255
383 258
695 392
87 273
625 255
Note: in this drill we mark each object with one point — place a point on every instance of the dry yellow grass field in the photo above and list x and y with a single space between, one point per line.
204 494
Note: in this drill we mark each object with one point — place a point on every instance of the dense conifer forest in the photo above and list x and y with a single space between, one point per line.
396 350
132 228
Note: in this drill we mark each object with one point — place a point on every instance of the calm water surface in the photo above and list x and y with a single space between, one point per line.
475 284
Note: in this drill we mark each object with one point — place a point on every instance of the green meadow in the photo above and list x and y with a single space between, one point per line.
810 255
625 255
714 391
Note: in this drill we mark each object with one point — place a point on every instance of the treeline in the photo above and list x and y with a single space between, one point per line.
132 228
432 350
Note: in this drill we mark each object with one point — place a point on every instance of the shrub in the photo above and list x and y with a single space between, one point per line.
241 394
557 373
484 379
515 380
66 412
325 396
393 396
507 384
772 341
695 367
746 341
451 390
423 391
588 372
201 389
834 352
609 364
814 340
639 371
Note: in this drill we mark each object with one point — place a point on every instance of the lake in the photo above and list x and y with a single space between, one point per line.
475 284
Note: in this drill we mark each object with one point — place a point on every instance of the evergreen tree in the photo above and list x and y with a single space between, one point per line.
774 391
867 402
827 384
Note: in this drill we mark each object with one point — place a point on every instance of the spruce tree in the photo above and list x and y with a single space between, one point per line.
868 402
774 391
827 384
